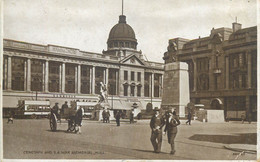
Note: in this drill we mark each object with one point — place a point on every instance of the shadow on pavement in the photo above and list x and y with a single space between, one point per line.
60 131
245 138
149 151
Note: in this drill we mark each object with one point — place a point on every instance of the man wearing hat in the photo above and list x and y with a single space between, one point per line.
172 121
156 124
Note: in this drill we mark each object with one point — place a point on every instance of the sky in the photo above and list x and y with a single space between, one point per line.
85 24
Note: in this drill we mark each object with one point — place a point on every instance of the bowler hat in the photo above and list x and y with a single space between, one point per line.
156 109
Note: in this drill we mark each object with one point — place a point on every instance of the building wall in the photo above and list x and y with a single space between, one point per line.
222 69
63 74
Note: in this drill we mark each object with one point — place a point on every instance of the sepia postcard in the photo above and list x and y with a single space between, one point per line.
129 80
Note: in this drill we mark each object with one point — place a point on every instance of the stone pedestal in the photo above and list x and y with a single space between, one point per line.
176 91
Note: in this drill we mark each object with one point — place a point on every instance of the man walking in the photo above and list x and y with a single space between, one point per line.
156 124
172 121
63 107
189 116
118 115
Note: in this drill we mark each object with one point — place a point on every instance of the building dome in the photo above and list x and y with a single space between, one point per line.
122 35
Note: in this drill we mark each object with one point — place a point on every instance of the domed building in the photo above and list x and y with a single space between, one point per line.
122 41
58 74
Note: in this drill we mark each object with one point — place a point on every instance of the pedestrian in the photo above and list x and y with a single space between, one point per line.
78 120
156 124
118 115
107 116
189 116
104 115
131 117
55 110
63 107
11 117
172 121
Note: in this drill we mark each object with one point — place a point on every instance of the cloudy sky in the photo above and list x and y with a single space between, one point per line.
85 24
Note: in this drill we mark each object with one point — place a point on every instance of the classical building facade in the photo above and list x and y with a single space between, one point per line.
60 74
222 69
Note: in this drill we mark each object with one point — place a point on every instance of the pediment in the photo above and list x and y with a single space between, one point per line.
132 60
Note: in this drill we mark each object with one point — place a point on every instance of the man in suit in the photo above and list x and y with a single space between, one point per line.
172 121
156 124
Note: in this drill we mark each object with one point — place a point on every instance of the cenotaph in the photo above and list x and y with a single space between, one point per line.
176 92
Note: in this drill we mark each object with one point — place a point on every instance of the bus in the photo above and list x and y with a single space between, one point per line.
32 109
88 106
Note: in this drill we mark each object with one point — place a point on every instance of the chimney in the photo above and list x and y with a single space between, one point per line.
236 26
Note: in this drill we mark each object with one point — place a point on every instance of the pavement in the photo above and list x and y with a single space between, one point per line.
32 139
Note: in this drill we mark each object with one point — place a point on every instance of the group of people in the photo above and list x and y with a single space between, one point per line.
170 120
73 121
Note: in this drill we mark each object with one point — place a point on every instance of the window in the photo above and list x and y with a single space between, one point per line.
125 75
132 76
99 77
146 90
139 91
36 75
121 44
85 80
132 91
18 65
54 77
115 44
127 44
139 76
70 78
156 90
125 90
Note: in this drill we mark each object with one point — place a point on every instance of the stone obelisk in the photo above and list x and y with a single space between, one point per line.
176 92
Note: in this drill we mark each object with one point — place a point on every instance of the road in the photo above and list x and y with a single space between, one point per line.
32 139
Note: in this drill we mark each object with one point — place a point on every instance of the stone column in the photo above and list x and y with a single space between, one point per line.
93 79
9 73
60 78
152 77
43 77
195 75
121 81
76 80
107 73
227 72
63 78
79 78
117 80
28 74
46 76
142 83
104 76
25 76
249 70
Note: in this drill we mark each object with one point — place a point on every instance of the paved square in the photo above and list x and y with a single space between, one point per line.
33 139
